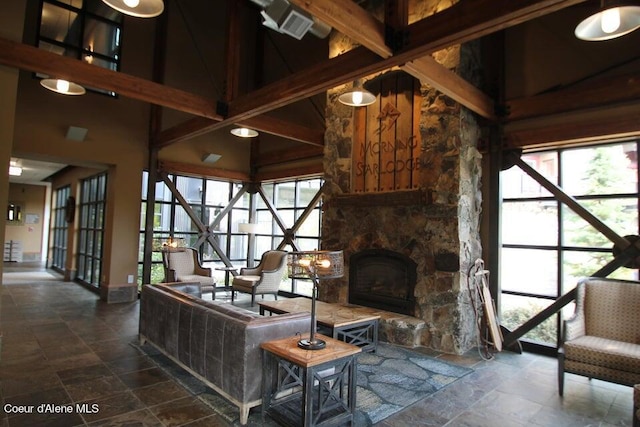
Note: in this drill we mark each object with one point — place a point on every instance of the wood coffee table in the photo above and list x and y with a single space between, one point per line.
344 323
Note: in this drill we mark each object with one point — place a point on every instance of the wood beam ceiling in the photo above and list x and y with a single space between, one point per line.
594 93
462 22
30 58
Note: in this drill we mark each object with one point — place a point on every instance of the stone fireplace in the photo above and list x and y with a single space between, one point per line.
382 279
403 176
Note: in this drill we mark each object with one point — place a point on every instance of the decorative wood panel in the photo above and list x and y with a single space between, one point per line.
386 137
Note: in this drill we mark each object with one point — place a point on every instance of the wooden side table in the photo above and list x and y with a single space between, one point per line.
309 387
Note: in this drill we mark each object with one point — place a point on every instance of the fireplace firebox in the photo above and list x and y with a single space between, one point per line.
382 279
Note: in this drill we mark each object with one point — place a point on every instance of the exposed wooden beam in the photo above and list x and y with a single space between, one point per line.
595 93
464 21
285 129
471 19
30 58
283 156
351 20
461 22
200 170
302 171
188 129
201 125
592 127
429 71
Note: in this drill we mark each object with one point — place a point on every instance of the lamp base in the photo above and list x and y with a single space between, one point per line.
312 345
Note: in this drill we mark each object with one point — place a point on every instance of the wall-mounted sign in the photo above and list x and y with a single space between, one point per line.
386 137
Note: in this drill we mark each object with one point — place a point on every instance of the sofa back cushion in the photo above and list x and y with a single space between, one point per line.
612 309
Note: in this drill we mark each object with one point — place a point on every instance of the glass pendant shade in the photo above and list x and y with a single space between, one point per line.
614 20
137 8
64 87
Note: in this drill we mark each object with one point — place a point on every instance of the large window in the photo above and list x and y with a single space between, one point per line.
87 30
208 199
546 247
290 200
91 229
60 228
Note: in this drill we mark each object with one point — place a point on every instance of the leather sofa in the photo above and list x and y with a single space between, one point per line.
216 342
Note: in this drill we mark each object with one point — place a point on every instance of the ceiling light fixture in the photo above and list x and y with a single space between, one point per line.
615 19
137 8
358 96
244 132
64 87
14 169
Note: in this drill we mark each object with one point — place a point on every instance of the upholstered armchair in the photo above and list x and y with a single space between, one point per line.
184 266
264 279
602 339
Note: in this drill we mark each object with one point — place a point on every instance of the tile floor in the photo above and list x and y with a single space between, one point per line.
62 345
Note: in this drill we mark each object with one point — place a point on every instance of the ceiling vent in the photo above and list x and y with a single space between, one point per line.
211 158
288 19
75 133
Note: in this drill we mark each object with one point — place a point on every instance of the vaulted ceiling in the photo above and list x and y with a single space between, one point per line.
461 22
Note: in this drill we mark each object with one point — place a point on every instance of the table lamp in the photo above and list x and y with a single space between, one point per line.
169 244
315 265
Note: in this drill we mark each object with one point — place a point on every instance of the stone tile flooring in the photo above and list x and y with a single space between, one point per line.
63 346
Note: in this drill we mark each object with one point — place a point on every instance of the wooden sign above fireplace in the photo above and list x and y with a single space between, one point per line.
386 137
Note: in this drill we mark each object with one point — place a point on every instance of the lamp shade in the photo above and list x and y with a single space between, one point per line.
137 8
615 19
63 87
357 97
247 227
244 132
316 265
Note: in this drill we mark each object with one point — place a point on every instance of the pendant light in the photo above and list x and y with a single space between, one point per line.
358 96
62 86
615 19
244 132
137 8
